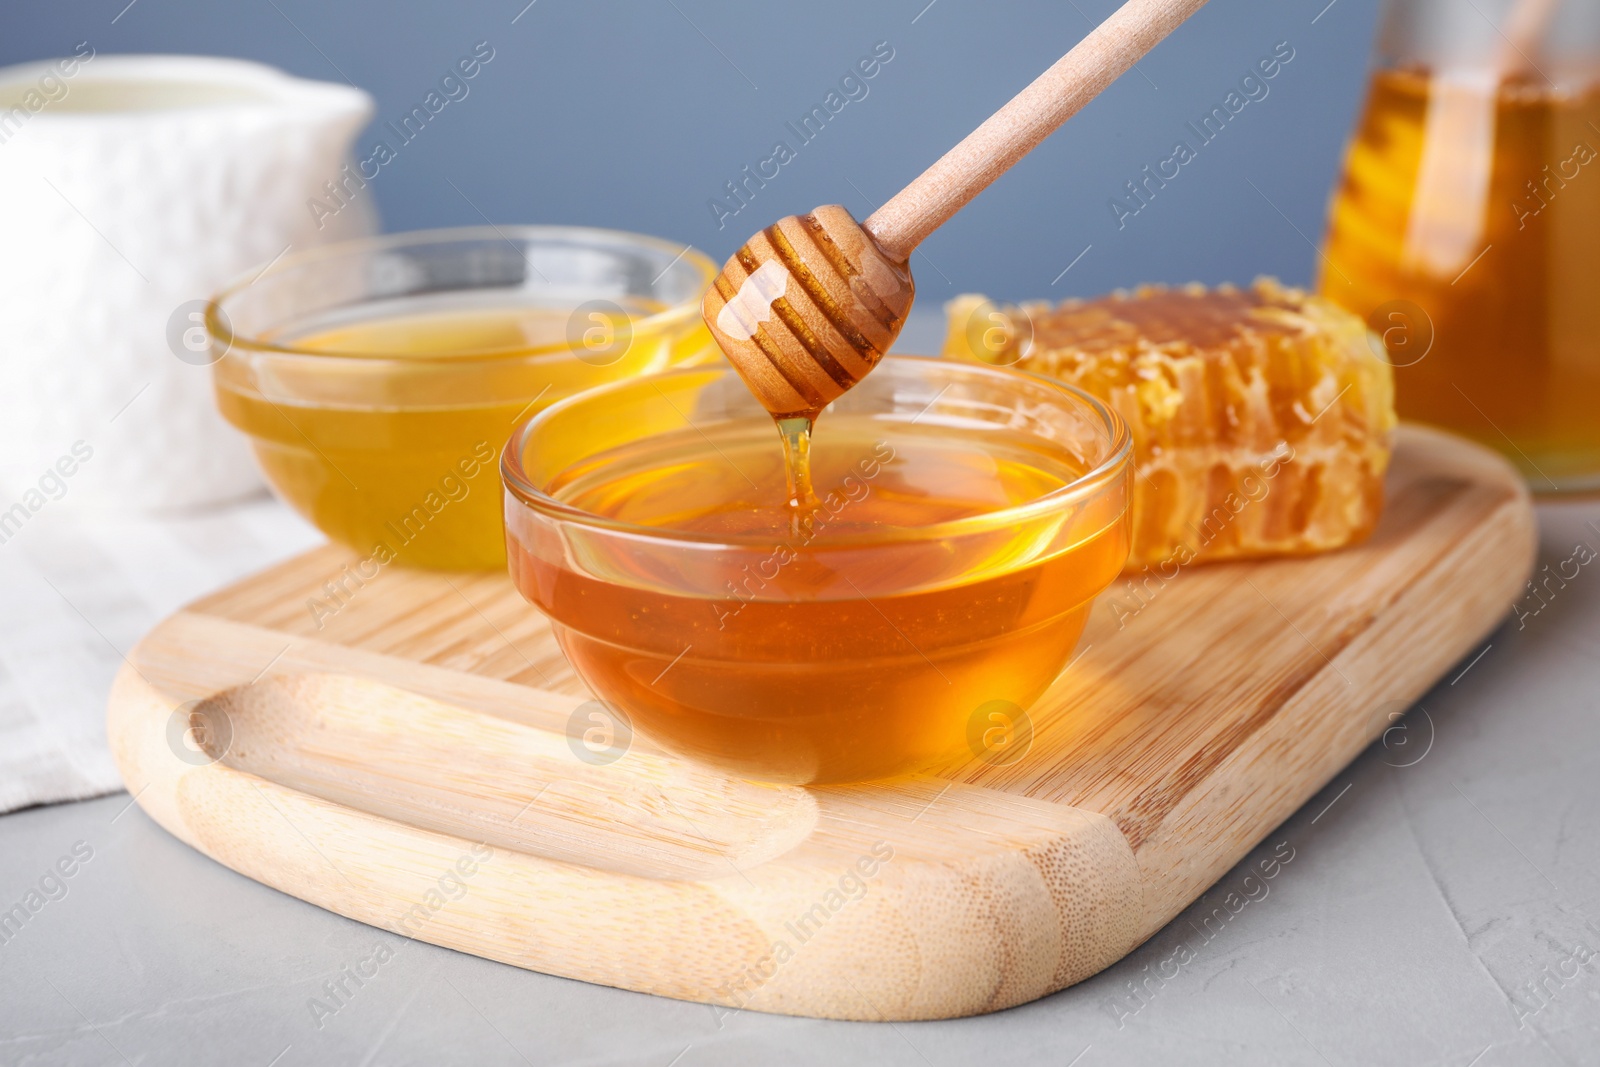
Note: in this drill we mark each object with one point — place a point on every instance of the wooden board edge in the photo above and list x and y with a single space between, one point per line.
1493 565
922 940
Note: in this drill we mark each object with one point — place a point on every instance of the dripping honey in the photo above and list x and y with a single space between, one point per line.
826 643
1466 231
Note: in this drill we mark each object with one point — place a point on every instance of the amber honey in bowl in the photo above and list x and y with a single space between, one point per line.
965 520
379 380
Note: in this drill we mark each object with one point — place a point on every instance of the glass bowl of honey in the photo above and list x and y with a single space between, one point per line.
964 519
379 379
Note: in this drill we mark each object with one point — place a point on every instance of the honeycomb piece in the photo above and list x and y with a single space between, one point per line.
1261 418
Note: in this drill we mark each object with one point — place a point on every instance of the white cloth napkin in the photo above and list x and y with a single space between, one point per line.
77 591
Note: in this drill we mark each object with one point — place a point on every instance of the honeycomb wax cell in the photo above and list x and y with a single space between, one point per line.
1261 417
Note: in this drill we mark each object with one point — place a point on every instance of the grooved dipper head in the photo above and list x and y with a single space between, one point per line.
806 308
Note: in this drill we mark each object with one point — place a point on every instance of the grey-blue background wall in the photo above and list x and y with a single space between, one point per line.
635 113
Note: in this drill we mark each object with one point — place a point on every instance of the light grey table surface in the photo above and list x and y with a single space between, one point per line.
1440 907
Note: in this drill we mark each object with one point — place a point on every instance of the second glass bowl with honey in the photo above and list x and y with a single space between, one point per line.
965 519
379 379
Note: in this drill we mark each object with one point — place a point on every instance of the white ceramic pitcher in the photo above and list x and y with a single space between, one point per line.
132 188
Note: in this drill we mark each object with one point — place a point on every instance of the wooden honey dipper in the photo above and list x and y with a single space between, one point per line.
810 304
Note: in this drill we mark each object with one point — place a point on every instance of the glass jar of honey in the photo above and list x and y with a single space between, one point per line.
1466 229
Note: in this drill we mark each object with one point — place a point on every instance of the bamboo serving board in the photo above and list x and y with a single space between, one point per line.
405 761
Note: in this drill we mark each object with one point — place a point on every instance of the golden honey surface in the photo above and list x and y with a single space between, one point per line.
830 650
1260 417
391 445
1465 230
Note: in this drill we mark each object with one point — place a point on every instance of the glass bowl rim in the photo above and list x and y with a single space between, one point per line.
1085 486
220 330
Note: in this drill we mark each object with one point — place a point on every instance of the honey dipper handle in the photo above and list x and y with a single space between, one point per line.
1031 116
